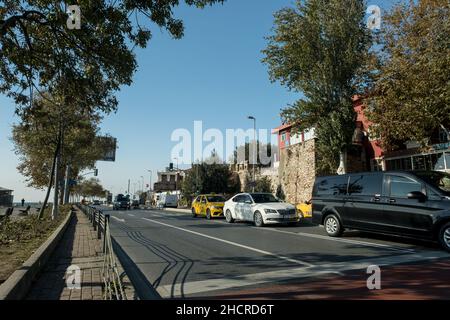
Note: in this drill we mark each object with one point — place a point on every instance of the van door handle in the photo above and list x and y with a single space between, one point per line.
391 200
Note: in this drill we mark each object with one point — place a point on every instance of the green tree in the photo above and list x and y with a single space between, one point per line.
209 178
38 50
262 184
410 98
90 188
320 49
40 139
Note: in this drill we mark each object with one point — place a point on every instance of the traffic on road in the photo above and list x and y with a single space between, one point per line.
176 255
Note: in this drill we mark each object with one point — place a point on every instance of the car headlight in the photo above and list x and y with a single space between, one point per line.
270 211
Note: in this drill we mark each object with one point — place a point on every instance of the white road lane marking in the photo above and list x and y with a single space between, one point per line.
131 215
120 220
202 286
322 237
233 243
356 242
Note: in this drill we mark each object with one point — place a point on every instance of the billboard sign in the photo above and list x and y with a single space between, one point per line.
108 145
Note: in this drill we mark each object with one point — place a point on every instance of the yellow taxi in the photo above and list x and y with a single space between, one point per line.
304 209
208 205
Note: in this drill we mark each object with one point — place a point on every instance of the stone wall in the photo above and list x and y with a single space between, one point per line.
297 171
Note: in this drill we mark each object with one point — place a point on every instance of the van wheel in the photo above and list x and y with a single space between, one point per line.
194 215
333 226
208 214
229 217
258 220
444 237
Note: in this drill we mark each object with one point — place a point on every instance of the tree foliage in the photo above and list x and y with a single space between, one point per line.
209 178
411 92
39 52
37 136
90 188
262 184
319 49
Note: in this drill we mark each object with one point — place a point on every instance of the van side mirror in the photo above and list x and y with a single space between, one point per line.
417 195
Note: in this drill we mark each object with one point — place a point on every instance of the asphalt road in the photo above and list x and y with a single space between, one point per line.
172 255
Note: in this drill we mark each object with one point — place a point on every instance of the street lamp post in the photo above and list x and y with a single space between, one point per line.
176 176
254 151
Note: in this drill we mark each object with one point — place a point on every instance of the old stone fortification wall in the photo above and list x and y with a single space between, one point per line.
297 171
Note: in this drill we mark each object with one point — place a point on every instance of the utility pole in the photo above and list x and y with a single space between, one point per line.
128 186
255 146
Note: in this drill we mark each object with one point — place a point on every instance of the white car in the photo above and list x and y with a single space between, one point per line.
260 208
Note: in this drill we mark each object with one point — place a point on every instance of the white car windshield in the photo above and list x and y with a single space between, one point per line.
264 197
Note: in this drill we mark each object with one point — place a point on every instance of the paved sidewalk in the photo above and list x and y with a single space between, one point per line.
416 281
80 247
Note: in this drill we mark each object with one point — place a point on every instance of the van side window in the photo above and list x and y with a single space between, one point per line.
332 185
401 186
365 184
433 195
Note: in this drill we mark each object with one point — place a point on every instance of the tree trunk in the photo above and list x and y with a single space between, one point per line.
56 192
50 183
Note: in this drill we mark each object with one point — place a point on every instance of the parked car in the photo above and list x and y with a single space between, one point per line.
96 202
208 205
304 209
260 208
411 204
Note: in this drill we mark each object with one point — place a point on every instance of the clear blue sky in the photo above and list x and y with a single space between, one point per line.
213 74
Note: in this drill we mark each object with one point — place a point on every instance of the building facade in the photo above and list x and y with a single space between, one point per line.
169 180
298 157
6 197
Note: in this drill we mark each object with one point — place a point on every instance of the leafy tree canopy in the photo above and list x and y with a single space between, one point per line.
319 49
411 94
39 52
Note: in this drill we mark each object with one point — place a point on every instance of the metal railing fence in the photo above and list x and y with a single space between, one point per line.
113 287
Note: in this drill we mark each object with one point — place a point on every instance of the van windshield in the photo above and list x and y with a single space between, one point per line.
440 180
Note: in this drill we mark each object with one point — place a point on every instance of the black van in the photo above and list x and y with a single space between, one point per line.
413 204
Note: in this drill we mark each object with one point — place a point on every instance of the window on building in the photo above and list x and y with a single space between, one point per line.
401 186
172 178
419 163
365 184
163 178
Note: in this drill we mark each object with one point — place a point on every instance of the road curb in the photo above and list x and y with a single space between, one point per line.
16 287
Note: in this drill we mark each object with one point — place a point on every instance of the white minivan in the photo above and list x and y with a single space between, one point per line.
167 200
259 208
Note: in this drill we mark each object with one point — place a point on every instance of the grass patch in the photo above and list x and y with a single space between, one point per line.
20 238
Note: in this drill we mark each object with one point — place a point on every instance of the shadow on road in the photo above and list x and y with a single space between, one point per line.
175 261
